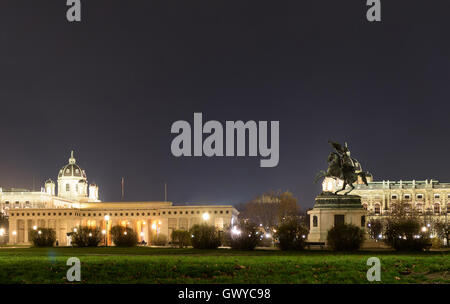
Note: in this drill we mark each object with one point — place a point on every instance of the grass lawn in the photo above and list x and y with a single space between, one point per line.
170 265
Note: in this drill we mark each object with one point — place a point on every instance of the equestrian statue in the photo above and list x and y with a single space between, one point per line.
343 167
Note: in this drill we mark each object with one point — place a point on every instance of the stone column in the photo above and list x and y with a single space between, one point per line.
12 227
146 230
26 228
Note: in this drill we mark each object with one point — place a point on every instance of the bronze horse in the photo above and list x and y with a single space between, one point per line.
337 169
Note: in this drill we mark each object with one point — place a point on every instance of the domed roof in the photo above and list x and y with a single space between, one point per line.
71 169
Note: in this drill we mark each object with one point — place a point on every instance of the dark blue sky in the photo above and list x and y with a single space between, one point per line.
111 86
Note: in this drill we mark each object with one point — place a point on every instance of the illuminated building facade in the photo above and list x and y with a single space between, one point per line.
428 197
77 204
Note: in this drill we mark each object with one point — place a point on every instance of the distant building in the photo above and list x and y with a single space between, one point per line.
428 197
76 203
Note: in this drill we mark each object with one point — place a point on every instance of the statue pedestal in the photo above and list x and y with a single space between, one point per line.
331 209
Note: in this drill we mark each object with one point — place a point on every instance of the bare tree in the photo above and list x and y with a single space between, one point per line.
270 208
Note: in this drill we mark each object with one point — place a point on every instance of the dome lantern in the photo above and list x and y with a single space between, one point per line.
72 159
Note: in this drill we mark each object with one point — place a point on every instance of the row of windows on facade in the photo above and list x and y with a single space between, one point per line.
419 208
418 196
17 202
116 214
68 187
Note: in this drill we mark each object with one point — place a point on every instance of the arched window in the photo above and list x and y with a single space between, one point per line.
377 208
365 206
419 208
314 221
437 208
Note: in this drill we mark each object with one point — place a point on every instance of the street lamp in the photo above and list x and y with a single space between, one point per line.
106 232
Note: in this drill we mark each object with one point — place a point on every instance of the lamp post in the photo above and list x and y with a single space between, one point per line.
106 230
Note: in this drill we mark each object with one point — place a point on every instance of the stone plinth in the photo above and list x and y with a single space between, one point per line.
330 209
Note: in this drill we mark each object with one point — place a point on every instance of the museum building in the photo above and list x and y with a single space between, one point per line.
74 202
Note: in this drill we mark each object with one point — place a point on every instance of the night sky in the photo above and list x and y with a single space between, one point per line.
111 86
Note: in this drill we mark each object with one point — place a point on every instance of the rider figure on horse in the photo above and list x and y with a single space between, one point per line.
342 166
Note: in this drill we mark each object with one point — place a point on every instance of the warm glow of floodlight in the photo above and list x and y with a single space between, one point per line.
268 235
154 226
103 231
74 229
40 232
125 233
90 234
142 233
106 217
424 229
2 232
14 232
143 223
34 227
235 230
205 216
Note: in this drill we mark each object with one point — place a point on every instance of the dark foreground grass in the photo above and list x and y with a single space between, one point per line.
166 265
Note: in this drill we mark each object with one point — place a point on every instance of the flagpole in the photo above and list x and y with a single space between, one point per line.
123 187
165 192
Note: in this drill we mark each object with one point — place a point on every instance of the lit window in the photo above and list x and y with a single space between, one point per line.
377 208
437 208
419 208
